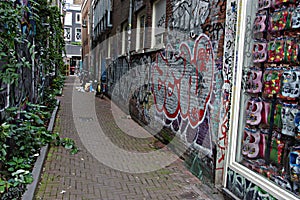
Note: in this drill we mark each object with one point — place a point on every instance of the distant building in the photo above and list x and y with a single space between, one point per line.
72 35
85 38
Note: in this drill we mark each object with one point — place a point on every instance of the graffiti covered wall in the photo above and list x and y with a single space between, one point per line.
244 189
226 89
186 86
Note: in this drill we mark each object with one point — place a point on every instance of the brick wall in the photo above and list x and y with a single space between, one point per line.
77 2
182 94
85 37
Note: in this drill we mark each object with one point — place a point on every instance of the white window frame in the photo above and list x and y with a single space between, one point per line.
124 38
108 47
76 20
276 191
68 18
78 40
69 1
70 28
139 46
154 28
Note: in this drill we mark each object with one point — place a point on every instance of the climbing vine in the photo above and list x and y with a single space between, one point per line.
11 41
31 65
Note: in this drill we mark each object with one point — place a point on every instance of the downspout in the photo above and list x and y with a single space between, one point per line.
129 30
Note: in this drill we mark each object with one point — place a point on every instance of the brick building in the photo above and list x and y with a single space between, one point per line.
132 35
86 36
72 35
173 64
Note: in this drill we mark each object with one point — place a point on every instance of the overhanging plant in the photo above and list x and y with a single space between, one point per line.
24 64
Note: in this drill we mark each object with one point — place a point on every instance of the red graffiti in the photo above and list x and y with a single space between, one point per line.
222 140
183 81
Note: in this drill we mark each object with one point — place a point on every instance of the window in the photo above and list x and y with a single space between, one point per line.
67 34
78 34
140 36
124 38
108 47
266 121
158 23
66 7
69 1
68 19
78 18
101 16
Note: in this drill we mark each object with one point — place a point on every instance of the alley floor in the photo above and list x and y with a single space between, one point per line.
101 172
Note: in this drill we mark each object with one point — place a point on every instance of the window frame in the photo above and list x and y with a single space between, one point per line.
78 21
70 28
124 38
141 14
108 47
78 40
68 19
235 125
153 36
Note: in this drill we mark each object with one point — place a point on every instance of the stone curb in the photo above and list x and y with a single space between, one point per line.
38 166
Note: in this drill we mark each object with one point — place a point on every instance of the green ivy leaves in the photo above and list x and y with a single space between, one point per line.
25 130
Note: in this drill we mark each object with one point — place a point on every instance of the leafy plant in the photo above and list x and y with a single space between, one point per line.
11 41
21 177
76 43
4 185
30 35
69 144
22 137
17 163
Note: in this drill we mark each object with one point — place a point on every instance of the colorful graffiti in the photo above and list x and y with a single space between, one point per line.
183 83
16 93
27 22
188 16
133 83
227 74
245 189
191 19
185 87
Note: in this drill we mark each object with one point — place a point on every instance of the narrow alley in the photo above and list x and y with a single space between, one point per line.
82 176
149 99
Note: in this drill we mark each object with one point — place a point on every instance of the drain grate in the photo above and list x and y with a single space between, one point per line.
85 119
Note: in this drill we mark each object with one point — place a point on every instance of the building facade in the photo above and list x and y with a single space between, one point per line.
72 35
86 36
220 76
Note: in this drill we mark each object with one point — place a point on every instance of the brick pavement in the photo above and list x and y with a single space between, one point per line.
84 176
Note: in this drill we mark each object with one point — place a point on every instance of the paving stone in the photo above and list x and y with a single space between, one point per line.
82 176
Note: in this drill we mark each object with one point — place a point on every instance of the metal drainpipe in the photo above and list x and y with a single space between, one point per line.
129 30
